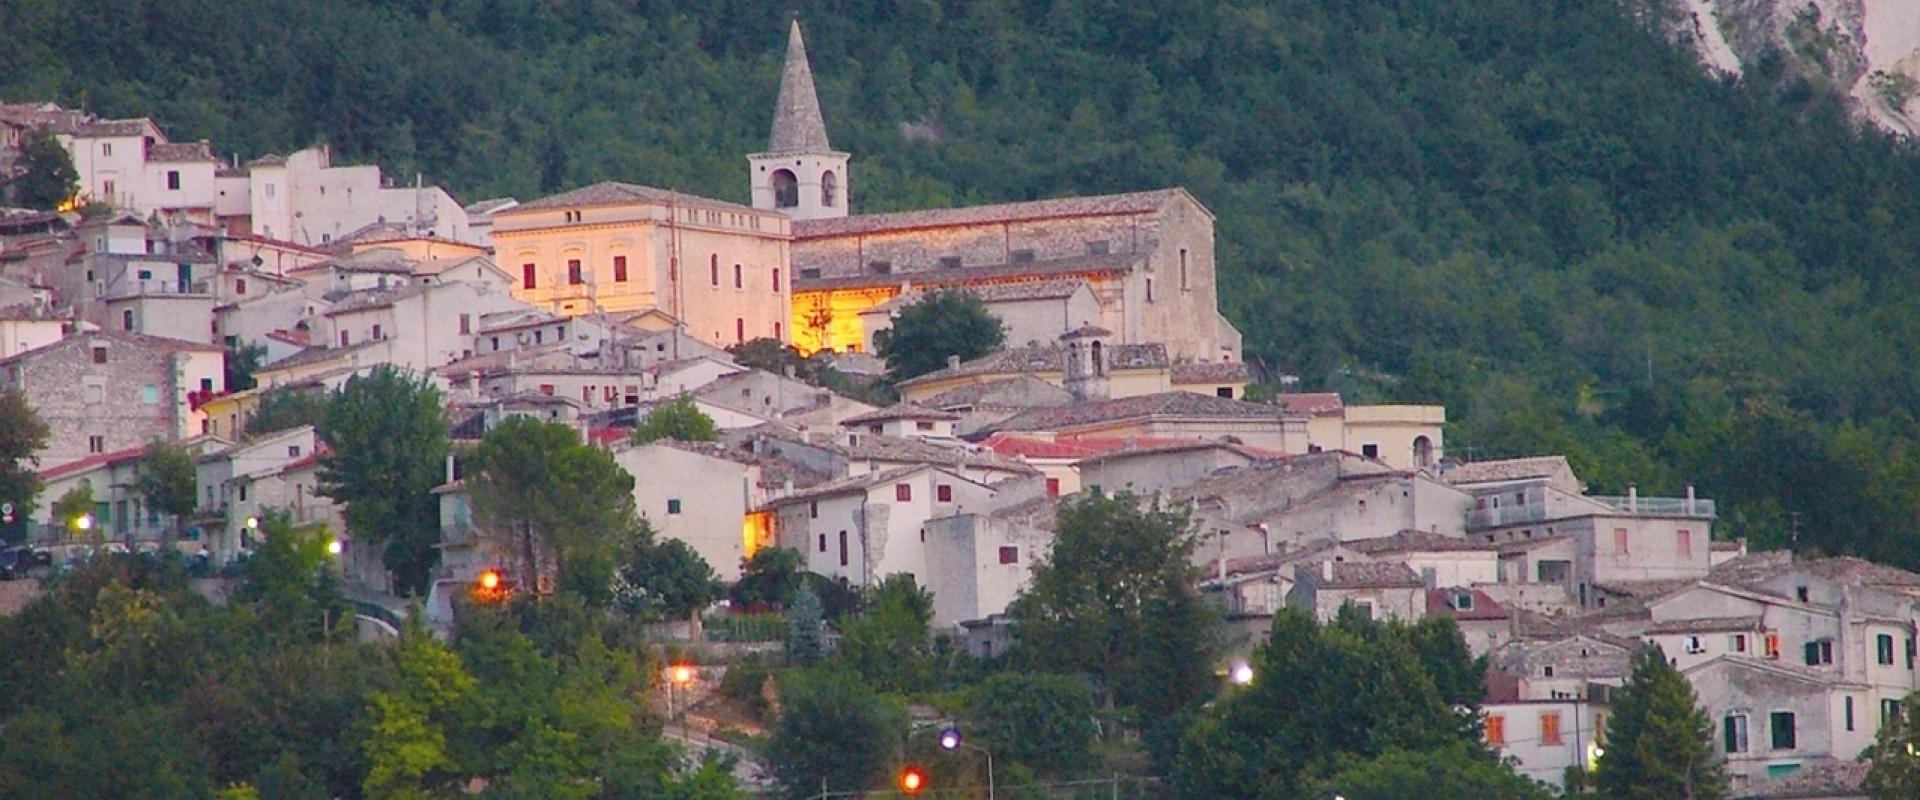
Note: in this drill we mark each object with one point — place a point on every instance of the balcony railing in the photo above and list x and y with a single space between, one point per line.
1660 506
1506 515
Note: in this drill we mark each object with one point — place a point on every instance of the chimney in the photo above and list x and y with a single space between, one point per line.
1326 571
1689 507
953 362
1633 498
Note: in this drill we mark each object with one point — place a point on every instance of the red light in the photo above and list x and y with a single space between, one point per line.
912 780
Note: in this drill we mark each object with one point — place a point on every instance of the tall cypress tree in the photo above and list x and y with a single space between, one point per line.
1659 741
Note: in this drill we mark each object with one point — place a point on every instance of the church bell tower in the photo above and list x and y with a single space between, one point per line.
799 174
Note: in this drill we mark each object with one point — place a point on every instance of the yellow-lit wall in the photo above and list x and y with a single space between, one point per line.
840 310
756 532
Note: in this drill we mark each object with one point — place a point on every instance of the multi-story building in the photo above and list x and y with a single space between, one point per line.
107 391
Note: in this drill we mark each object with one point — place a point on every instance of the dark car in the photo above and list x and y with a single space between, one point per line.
16 561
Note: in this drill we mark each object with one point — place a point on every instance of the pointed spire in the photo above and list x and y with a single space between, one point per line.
798 126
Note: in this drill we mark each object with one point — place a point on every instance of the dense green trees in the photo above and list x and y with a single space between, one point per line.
1896 772
560 506
942 324
282 409
46 175
678 419
665 579
834 732
22 433
167 480
1114 601
1329 699
1659 741
388 440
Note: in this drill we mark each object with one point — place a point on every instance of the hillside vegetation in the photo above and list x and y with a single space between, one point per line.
1537 212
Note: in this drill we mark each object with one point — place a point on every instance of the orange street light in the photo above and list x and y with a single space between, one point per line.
912 779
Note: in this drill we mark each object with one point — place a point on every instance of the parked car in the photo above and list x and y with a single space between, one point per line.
16 561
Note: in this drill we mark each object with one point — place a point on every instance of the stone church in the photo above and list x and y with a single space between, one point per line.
1146 257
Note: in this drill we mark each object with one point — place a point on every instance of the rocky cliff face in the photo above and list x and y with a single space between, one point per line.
1867 50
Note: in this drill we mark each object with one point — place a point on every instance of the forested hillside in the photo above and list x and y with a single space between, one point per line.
1535 211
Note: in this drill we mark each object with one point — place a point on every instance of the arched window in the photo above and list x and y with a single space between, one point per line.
829 189
786 189
1422 451
1099 361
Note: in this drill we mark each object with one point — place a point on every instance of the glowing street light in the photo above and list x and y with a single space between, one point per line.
83 523
951 740
912 779
1241 673
335 547
489 580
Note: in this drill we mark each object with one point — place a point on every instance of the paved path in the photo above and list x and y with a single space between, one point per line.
747 769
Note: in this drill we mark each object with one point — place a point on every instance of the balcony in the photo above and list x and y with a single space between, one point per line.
1659 506
1506 515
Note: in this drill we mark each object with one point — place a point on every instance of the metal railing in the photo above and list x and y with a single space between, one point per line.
1659 506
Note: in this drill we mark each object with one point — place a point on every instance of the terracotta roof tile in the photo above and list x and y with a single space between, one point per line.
1365 575
1164 404
901 411
1705 625
1044 358
200 151
1218 372
1111 204
1314 403
1419 541
1510 469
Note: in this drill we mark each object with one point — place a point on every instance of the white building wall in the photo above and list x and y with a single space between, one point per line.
1522 725
698 499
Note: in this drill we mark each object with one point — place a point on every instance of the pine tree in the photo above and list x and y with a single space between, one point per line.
807 629
1659 741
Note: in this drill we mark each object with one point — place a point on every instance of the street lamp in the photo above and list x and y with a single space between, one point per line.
1241 673
83 523
951 740
335 547
677 677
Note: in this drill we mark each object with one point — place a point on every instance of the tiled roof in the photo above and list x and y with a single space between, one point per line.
316 355
1365 575
1705 625
59 471
1163 447
1858 571
480 208
269 160
847 485
1044 358
1024 391
798 126
992 293
112 127
899 449
1511 469
1164 404
1524 545
1086 331
1442 602
135 340
1752 568
1314 403
901 411
1645 590
608 193
1131 203
182 151
969 276
1724 546
1418 541
374 298
1218 372
1835 779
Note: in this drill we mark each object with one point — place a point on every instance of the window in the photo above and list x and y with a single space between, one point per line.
1546 671
1053 487
829 189
1097 247
1819 652
880 267
1463 601
1550 729
495 341
1224 391
738 281
269 190
1009 555
527 278
106 188
1183 268
126 319
150 395
243 493
466 324
813 512
1149 290
574 276
923 426
99 354
739 330
96 443
343 338
949 262
778 333
376 332
1846 708
1739 643
1620 541
786 189
173 180
1496 730
546 389
1783 733
713 270
293 451
1801 592
1683 542
1733 733
240 286
1020 257
843 548
1773 645
106 148
943 493
823 543
673 506
1366 610
1694 645
776 279
1889 712
902 492
810 272
619 269
1883 647
1370 450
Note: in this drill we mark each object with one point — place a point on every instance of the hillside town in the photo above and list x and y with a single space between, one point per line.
125 318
